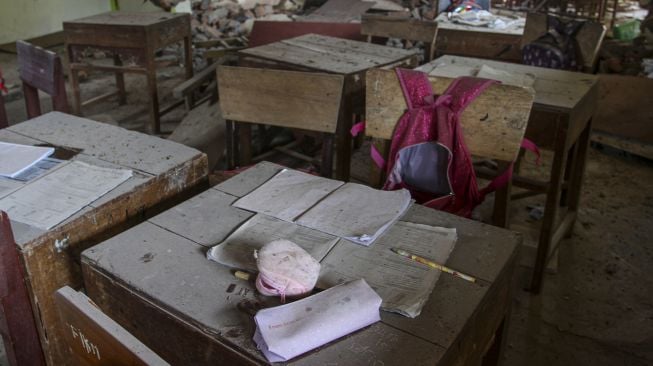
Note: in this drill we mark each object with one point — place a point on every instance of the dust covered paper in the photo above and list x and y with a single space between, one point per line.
403 284
51 199
287 331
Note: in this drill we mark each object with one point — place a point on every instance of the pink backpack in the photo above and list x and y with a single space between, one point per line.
428 155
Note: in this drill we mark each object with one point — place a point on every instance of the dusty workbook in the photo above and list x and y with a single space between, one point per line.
351 211
54 197
403 284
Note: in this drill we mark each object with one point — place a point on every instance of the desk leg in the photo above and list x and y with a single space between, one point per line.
501 213
155 120
17 323
188 63
344 140
576 179
74 82
552 203
120 81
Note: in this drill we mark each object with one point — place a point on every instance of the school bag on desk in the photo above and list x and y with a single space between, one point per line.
557 48
428 155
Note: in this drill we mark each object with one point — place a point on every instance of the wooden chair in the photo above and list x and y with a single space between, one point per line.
94 338
589 37
41 69
299 100
494 124
18 328
374 25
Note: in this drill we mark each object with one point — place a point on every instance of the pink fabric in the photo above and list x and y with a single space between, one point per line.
436 119
357 128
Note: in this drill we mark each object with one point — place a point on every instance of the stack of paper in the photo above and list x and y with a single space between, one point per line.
14 159
287 331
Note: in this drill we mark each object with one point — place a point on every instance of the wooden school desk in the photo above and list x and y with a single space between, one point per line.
483 42
561 120
136 36
325 54
164 172
156 282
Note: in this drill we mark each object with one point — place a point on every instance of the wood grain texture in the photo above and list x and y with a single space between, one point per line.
493 125
292 99
94 338
589 37
329 54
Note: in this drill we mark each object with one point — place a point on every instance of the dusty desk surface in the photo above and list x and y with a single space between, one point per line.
190 310
554 89
329 54
516 29
161 170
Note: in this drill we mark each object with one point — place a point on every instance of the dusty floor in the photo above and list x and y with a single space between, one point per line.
597 309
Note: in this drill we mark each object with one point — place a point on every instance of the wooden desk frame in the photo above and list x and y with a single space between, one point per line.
138 41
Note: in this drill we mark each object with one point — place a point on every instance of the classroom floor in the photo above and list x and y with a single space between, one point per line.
595 309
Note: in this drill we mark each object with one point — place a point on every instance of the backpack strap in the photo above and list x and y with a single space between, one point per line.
415 86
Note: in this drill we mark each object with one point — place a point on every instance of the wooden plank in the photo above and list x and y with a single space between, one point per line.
496 46
94 338
291 99
329 54
39 67
493 125
206 219
393 27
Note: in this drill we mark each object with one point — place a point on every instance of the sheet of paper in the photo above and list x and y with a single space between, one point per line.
16 158
357 212
51 199
510 78
38 169
238 249
287 331
288 194
403 284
